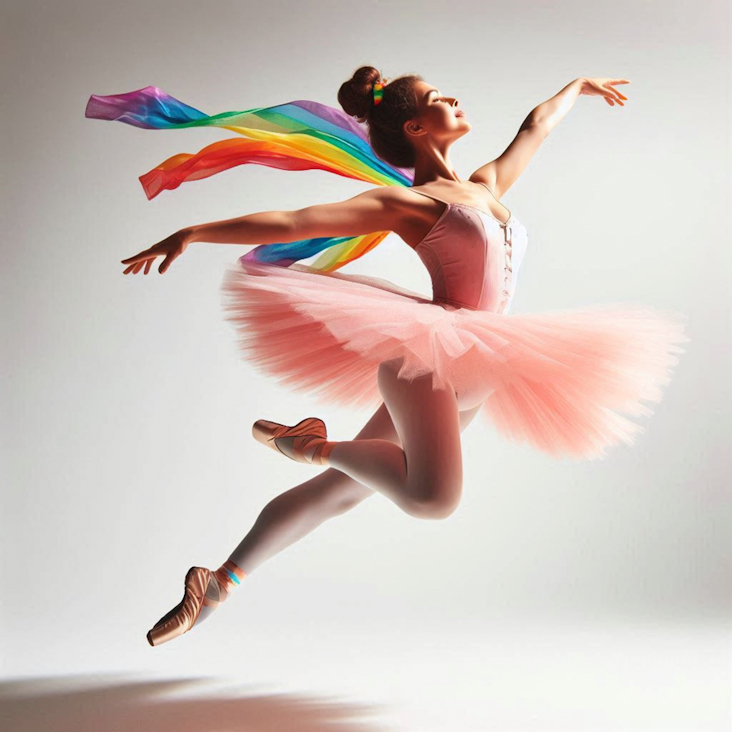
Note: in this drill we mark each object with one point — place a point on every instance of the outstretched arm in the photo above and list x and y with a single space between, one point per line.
373 210
500 174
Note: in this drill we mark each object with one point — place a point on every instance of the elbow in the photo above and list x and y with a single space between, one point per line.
536 121
540 127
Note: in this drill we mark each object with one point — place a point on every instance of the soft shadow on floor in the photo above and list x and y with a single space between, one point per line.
104 703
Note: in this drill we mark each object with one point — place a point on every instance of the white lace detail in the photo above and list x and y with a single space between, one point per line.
508 265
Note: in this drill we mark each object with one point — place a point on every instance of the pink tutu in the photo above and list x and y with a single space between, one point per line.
556 380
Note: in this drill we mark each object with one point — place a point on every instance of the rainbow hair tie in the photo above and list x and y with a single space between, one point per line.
379 91
297 135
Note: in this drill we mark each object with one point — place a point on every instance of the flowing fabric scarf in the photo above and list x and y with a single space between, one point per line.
298 135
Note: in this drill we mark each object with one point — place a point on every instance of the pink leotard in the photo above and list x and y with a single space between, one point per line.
472 257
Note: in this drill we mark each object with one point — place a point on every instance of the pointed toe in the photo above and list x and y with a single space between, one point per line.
183 616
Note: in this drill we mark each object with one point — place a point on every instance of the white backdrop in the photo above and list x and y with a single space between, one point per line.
127 411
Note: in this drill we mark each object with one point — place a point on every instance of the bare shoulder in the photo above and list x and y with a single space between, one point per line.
488 175
398 199
378 209
505 170
398 207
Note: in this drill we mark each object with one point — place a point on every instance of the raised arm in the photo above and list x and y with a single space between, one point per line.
374 210
500 174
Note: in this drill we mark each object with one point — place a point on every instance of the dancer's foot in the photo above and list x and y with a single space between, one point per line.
204 592
306 442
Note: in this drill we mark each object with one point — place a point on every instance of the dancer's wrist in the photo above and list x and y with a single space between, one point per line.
190 234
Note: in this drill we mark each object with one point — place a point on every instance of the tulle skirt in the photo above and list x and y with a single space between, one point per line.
560 381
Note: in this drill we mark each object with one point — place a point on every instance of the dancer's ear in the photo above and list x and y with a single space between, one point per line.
412 128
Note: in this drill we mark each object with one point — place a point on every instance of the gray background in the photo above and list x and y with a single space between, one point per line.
127 454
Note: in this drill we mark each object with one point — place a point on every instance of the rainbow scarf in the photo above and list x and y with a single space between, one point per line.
298 135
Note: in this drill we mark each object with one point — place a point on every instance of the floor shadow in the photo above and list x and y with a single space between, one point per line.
104 703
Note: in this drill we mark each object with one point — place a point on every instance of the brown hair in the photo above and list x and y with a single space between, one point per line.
384 120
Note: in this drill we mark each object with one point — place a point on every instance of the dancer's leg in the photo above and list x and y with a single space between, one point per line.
290 516
431 488
282 522
424 477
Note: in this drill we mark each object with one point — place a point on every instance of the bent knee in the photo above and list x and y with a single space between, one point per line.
433 509
437 503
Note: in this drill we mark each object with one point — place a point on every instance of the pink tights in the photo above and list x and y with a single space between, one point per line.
409 451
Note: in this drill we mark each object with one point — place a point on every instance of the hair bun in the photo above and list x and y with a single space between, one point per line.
356 95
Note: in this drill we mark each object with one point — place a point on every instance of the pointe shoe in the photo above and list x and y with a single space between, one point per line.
202 589
306 442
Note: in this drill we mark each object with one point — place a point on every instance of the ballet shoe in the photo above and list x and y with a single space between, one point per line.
306 442
202 589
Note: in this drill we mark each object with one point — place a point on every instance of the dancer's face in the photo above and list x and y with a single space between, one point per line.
438 116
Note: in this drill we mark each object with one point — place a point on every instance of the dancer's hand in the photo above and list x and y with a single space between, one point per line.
171 247
604 87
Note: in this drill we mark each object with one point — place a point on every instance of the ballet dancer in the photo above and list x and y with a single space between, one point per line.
556 380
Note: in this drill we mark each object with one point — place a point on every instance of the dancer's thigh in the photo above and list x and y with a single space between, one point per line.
379 426
427 421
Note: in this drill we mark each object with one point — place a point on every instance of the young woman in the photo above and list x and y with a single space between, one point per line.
556 380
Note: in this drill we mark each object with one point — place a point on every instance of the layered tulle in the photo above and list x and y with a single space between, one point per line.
560 381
